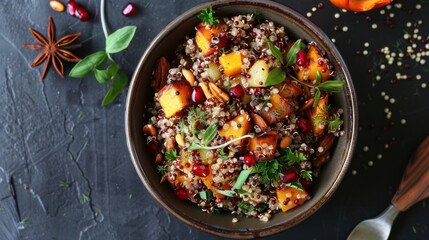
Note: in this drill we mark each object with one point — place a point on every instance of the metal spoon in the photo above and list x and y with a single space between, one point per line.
414 187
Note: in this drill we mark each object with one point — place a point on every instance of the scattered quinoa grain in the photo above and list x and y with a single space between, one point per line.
345 29
365 148
354 172
403 121
379 156
374 26
234 220
370 163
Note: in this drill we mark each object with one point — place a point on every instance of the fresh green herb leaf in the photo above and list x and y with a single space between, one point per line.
276 76
120 39
105 76
318 78
331 86
242 177
64 184
245 206
261 207
258 17
146 5
88 64
316 98
171 155
196 146
130 196
296 185
85 198
115 90
293 157
210 134
334 124
307 175
160 169
291 55
241 191
206 195
207 16
222 153
271 171
414 229
26 221
274 50
228 193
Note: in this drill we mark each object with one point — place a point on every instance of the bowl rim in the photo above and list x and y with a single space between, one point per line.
350 98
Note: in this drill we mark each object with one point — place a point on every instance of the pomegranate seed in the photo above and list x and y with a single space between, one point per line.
237 91
81 14
198 95
248 159
129 9
306 184
304 124
71 7
301 58
200 170
182 193
290 176
153 147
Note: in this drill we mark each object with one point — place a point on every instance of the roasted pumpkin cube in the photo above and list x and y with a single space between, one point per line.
264 146
231 63
290 197
208 182
204 35
289 89
175 97
236 127
279 110
319 116
316 62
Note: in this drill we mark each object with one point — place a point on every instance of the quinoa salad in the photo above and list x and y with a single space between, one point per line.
242 120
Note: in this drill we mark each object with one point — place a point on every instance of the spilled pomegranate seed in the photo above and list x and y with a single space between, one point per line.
71 7
81 14
129 9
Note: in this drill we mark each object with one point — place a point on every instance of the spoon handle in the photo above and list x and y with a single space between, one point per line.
414 186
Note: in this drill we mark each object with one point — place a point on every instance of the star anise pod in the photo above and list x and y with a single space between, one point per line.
53 51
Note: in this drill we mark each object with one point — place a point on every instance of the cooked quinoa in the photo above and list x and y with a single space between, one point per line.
284 130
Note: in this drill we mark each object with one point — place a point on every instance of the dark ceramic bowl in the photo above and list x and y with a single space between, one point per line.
140 95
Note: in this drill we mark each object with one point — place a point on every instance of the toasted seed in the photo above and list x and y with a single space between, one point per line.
258 120
319 161
180 140
158 159
149 129
206 90
325 144
57 6
189 76
308 104
285 142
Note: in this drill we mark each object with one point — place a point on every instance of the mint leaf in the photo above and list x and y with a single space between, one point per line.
276 76
228 193
242 177
331 86
274 50
210 134
115 90
105 76
88 64
316 98
120 39
291 55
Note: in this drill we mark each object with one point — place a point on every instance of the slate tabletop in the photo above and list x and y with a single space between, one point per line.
65 171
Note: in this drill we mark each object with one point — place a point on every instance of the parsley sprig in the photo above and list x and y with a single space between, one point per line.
207 16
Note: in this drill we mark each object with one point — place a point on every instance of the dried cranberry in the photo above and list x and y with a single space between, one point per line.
129 9
71 7
301 58
182 193
198 95
248 159
304 124
237 91
200 170
290 176
306 184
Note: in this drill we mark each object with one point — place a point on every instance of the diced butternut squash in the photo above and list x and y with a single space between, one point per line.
316 63
264 147
279 110
231 63
359 5
237 127
208 182
213 72
319 116
258 74
175 97
207 156
186 161
204 35
289 89
290 197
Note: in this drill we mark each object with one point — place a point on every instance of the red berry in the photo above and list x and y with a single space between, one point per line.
81 14
129 9
306 184
71 7
301 58
198 95
182 193
248 159
290 176
237 91
304 124
200 170
153 147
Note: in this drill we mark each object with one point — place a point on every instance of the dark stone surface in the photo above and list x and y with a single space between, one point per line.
56 130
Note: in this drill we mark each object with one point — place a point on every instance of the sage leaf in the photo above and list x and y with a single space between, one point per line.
274 50
242 177
88 64
316 98
228 193
196 146
276 76
331 86
105 76
210 134
120 39
318 78
291 55
203 195
115 90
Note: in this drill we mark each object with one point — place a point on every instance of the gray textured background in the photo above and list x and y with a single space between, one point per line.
56 130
